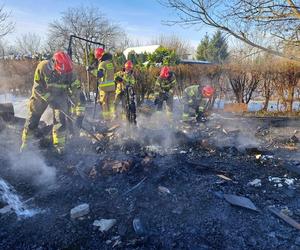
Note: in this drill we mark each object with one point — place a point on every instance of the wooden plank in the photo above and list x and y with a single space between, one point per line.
285 217
224 177
240 201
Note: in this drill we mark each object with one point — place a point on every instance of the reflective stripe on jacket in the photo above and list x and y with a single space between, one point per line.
107 83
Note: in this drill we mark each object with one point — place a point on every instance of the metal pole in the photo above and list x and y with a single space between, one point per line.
87 73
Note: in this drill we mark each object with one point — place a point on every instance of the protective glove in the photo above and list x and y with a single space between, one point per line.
100 73
201 117
119 79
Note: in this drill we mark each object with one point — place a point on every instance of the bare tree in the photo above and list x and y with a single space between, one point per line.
244 80
29 43
86 22
6 26
277 21
286 83
173 42
3 48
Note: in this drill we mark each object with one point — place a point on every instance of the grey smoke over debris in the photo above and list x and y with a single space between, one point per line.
32 166
29 165
235 132
155 130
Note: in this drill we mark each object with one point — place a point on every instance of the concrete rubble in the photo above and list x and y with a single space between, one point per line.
104 224
80 211
255 183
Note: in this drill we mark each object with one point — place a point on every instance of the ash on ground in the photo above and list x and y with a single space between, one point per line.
160 186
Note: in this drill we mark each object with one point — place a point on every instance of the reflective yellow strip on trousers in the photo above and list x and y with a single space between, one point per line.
76 84
80 110
185 115
106 84
59 140
59 86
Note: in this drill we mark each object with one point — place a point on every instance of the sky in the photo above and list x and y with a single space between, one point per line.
141 19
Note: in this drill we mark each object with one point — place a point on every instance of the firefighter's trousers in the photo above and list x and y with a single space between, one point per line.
107 99
77 103
37 107
164 97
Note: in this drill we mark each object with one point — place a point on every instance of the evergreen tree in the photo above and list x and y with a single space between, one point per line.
119 59
214 49
202 49
141 58
164 56
218 48
132 56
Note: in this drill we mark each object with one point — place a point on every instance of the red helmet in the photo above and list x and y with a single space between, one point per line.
128 65
208 91
99 53
62 63
165 72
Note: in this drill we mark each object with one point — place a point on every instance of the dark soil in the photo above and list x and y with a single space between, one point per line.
186 159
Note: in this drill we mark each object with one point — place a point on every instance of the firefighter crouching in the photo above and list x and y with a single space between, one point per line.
52 81
196 101
123 79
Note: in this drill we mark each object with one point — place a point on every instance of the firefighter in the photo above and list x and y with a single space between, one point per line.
106 85
164 88
51 83
196 101
122 79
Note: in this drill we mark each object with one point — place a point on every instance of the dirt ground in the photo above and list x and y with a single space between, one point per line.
172 178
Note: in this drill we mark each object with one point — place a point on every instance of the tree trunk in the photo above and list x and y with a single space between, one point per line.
267 100
266 104
290 99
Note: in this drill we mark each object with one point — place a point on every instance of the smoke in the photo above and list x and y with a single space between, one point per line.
32 166
234 132
29 166
159 128
155 131
166 134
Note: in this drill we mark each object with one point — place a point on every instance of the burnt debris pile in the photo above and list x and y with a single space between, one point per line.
225 184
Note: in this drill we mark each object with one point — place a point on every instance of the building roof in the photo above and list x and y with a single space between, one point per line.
185 61
141 49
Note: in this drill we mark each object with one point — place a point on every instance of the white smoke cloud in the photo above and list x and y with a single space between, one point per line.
33 167
29 165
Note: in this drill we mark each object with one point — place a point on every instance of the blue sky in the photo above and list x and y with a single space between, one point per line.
141 19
